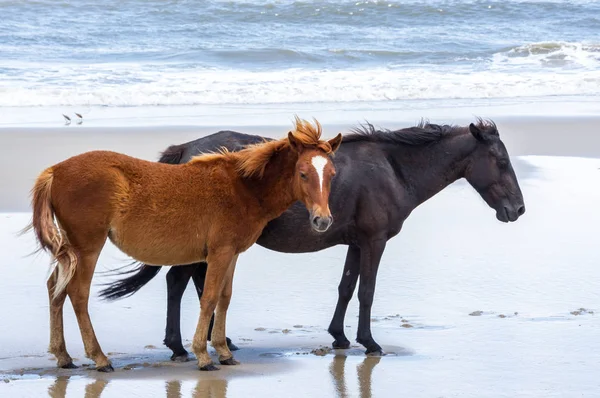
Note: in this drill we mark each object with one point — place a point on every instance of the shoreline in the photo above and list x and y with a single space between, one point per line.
256 115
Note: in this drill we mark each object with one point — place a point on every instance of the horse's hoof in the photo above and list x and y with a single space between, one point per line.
208 368
375 353
341 345
232 347
229 361
106 369
180 358
70 365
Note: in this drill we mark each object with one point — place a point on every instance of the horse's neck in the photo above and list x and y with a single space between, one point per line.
437 166
275 190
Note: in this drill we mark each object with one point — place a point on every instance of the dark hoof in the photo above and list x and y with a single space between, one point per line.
106 369
180 357
208 368
229 361
232 347
375 353
341 345
70 365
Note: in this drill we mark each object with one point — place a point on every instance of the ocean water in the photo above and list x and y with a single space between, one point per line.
133 53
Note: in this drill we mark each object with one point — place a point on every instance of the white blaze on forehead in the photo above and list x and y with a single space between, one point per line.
319 163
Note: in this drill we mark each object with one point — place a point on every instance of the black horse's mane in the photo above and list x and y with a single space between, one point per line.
421 134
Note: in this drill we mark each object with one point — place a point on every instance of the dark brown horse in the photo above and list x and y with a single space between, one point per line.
166 214
382 176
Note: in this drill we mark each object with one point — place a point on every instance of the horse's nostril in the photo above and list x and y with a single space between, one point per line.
521 210
321 223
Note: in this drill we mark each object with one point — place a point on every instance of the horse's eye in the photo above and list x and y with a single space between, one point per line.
502 163
303 176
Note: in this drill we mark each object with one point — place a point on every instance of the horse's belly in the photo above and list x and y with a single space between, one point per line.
159 249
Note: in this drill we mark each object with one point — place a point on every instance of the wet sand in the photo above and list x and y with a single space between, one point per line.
465 305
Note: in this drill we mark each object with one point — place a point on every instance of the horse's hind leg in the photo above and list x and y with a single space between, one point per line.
219 341
57 334
177 280
79 293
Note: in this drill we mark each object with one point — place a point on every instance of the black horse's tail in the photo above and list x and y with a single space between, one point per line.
128 286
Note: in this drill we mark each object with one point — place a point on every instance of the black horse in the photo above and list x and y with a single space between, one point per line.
382 176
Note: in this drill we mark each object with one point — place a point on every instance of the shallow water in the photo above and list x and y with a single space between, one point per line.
142 53
494 309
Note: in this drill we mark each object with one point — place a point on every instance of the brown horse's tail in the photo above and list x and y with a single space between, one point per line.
49 236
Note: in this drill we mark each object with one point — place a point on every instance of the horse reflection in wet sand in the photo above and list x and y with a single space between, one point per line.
173 214
382 176
93 389
364 373
217 388
205 388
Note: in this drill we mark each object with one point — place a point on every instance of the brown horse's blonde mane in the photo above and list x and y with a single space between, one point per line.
252 160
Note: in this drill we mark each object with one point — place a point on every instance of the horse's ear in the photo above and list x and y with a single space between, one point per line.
295 143
476 131
335 142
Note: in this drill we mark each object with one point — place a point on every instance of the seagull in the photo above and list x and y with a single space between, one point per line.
80 120
67 119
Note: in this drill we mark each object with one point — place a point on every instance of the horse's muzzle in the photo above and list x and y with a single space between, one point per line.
510 213
320 224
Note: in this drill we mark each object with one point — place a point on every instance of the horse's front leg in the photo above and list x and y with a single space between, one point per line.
177 280
198 277
219 262
370 256
219 340
345 292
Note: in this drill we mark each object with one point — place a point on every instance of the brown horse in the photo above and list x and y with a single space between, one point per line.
210 209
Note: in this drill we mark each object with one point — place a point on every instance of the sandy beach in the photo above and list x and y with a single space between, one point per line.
465 305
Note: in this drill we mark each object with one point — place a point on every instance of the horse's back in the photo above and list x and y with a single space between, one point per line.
111 175
231 140
89 172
